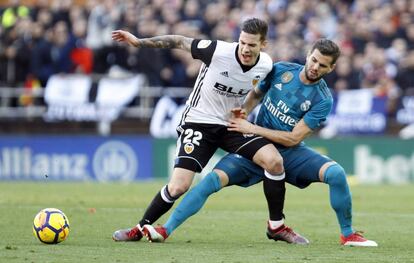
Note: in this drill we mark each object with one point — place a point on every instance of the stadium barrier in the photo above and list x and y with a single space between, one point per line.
122 96
22 103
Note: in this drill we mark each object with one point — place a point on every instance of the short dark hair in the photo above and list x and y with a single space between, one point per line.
327 48
255 26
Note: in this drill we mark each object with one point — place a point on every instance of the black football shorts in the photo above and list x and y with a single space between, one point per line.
198 142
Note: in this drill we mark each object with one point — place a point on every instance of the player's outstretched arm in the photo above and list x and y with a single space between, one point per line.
166 41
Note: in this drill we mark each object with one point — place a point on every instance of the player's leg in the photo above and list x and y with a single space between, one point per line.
305 166
160 204
340 197
191 203
273 183
265 154
252 174
179 183
334 175
244 173
195 146
232 169
194 200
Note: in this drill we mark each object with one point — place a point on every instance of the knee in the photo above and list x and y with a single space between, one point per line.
269 159
335 175
274 165
176 190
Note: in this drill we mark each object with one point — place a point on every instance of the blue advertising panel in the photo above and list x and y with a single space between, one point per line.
358 114
405 114
77 158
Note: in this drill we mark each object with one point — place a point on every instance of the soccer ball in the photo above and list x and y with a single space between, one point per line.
51 226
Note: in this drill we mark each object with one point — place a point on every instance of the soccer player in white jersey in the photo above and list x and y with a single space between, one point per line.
229 71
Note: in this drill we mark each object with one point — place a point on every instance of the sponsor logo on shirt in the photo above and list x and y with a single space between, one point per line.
280 111
229 91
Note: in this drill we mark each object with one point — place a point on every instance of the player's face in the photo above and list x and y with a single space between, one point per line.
249 48
317 66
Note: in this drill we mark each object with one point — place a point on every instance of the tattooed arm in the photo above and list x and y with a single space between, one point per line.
166 41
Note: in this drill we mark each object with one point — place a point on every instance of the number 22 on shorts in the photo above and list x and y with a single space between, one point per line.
190 139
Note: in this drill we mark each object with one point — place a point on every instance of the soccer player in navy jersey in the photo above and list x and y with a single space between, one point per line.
295 101
229 71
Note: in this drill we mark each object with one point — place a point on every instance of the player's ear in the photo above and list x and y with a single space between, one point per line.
332 68
264 44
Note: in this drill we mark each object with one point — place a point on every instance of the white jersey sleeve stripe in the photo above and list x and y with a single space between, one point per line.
196 91
195 94
196 85
182 122
198 97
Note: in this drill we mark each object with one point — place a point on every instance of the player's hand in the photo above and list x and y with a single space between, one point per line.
240 125
124 36
239 113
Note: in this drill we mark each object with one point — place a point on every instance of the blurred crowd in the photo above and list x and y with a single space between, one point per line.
59 36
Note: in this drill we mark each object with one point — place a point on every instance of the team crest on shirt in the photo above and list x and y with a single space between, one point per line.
203 43
305 105
255 80
287 76
188 148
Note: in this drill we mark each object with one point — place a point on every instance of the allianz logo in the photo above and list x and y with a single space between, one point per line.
112 161
115 160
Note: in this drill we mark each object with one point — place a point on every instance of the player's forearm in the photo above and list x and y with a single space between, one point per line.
287 138
252 100
284 138
167 41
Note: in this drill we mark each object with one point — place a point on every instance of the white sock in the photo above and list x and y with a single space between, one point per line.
276 177
276 224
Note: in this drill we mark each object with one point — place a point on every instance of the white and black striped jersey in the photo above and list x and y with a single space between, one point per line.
222 83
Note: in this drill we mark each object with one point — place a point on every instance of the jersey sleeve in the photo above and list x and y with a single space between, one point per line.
203 50
318 114
266 84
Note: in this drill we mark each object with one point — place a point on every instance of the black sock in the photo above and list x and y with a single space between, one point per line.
158 207
275 195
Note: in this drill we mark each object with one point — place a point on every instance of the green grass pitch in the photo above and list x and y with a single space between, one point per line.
230 228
